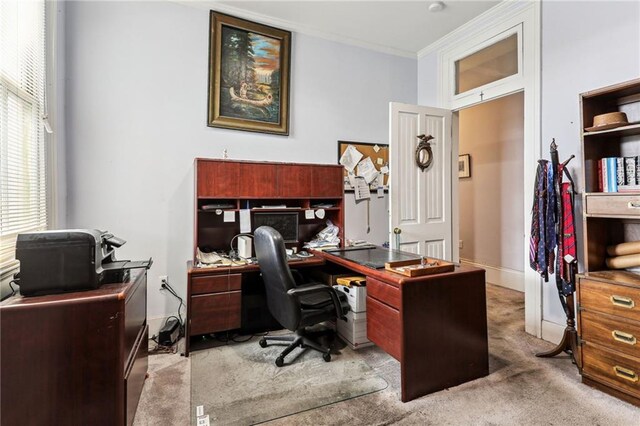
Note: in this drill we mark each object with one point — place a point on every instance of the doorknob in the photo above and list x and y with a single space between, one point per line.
397 232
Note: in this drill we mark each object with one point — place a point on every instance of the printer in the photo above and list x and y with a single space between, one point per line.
70 260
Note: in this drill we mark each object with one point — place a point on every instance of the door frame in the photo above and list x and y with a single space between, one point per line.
506 18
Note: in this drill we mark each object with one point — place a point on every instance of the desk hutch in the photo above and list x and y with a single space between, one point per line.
222 299
609 300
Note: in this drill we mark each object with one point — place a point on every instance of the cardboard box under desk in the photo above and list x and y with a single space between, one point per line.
356 296
328 277
353 331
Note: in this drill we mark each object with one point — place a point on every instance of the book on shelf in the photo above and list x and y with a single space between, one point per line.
630 171
618 174
612 179
620 171
629 188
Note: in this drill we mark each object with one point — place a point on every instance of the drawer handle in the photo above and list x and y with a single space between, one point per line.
625 373
633 204
623 302
623 337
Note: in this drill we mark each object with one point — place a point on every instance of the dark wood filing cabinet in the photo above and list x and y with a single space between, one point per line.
76 358
609 300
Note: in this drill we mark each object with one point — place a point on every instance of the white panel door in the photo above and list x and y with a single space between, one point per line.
420 201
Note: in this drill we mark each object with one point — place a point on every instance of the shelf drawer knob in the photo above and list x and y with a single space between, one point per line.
623 337
633 204
623 302
626 374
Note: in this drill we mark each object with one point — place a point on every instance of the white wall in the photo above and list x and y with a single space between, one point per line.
136 118
428 80
585 45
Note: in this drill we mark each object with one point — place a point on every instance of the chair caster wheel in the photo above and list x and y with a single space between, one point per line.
279 361
326 357
263 343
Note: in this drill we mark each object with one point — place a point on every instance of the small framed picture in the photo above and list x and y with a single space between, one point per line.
464 166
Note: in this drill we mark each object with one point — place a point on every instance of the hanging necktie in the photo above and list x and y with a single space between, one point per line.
537 244
550 219
568 259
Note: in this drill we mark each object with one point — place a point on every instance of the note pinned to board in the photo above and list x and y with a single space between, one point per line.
229 216
245 220
362 191
380 192
376 148
384 170
308 214
367 170
379 161
350 158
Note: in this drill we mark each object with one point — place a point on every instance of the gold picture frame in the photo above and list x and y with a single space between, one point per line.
249 72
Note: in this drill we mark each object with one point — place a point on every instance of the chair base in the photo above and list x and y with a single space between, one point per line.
298 339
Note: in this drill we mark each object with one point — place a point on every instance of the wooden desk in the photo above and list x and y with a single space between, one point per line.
435 325
75 358
214 296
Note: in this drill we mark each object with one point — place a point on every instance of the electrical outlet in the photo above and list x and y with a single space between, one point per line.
163 279
460 245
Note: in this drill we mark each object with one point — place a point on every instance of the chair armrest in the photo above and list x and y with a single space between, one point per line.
319 288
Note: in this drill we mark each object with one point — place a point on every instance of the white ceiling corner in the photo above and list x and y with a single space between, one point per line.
402 27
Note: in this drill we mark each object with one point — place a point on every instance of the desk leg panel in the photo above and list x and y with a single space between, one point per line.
445 333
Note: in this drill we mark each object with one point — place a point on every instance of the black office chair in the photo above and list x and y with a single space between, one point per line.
294 307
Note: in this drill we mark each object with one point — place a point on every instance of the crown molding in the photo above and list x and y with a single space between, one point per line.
500 12
295 27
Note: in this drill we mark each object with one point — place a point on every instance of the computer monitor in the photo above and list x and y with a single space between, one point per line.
284 222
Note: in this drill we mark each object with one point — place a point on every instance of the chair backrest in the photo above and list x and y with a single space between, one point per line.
272 259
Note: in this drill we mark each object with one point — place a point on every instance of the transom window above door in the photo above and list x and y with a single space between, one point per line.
487 65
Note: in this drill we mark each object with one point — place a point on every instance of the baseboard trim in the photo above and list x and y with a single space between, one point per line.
503 277
552 332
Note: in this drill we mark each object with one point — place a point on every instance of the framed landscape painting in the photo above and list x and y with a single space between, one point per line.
248 75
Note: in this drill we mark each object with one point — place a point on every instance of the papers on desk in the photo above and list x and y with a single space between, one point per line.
326 238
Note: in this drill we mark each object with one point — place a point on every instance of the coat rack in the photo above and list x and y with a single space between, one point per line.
565 282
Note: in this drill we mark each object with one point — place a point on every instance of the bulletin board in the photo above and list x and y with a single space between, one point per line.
379 154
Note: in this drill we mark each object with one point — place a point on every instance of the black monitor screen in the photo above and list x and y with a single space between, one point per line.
285 223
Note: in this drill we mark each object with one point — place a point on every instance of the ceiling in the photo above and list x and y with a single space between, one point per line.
398 27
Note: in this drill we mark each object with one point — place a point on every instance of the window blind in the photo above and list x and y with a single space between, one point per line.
23 189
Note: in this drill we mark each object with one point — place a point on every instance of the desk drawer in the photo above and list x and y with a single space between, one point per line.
612 332
383 292
135 317
383 327
610 299
612 368
215 312
216 283
616 205
136 375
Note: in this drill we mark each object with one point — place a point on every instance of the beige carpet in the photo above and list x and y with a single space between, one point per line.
520 389
256 390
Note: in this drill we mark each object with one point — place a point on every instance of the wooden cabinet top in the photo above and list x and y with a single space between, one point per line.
614 276
116 291
275 163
